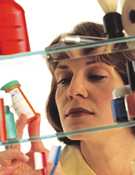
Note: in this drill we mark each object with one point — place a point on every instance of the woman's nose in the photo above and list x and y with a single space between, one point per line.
77 89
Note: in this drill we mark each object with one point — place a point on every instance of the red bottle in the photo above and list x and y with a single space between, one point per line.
130 104
13 29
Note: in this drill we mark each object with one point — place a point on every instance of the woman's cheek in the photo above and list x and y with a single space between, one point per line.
104 95
59 91
104 103
59 98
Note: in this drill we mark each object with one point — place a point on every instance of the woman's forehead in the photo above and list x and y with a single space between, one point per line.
80 63
87 52
74 54
75 61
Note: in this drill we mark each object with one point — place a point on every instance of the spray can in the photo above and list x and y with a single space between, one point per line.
13 29
118 104
19 100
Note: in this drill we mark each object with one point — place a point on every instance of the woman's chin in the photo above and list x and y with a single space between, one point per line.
76 134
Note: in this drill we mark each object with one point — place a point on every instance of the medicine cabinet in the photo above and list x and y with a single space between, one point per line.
31 70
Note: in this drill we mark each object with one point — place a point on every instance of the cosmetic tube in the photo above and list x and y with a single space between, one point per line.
118 104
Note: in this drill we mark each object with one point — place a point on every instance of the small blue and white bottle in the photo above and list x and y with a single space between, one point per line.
119 110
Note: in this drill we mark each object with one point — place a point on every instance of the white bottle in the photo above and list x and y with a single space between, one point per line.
19 101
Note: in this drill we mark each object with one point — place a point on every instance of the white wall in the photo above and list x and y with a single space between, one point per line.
45 20
48 18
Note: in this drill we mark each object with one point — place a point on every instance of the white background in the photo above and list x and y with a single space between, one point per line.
48 18
45 19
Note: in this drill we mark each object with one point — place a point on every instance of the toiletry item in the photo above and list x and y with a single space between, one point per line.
112 19
128 19
130 99
19 101
3 133
13 29
40 162
54 157
128 16
73 39
118 104
130 105
10 124
4 99
131 74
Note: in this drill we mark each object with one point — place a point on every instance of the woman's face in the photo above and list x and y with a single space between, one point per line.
84 93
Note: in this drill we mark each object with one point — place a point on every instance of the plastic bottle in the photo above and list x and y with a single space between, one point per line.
118 104
10 124
19 101
13 29
3 133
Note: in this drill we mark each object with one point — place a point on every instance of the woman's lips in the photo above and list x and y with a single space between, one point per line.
77 112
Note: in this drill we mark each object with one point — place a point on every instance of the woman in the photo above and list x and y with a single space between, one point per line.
81 97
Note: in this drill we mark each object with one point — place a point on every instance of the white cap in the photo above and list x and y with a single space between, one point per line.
2 94
120 92
8 99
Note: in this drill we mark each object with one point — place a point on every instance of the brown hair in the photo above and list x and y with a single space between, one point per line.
119 60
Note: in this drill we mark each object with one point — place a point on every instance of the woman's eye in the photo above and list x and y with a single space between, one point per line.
64 81
96 77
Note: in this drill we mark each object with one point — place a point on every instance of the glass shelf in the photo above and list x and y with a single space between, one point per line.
23 54
129 41
71 133
38 57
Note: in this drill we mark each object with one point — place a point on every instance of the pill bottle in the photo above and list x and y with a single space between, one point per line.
13 28
19 100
